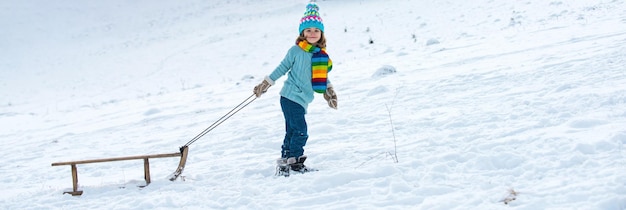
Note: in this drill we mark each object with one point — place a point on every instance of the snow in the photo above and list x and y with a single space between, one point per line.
474 98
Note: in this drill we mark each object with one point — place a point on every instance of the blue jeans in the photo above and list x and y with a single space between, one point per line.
295 127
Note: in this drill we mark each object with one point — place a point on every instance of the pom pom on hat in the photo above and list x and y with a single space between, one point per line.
311 18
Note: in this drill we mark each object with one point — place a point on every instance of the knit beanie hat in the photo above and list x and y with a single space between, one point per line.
311 18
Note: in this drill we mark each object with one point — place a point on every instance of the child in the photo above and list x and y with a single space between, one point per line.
306 65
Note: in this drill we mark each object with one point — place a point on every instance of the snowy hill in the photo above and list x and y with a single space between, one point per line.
474 98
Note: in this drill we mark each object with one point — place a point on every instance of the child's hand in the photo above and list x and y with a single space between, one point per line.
331 97
262 88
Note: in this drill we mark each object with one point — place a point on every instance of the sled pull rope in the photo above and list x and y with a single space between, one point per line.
222 119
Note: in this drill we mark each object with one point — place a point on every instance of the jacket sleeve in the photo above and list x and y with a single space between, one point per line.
284 66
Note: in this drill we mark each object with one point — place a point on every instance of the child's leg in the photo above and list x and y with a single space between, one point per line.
284 153
296 136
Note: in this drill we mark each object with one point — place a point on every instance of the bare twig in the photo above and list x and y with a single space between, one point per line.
393 132
393 155
395 145
371 157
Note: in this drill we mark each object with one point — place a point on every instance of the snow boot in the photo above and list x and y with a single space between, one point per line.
297 165
282 168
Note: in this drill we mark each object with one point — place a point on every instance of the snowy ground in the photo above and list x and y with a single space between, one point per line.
487 96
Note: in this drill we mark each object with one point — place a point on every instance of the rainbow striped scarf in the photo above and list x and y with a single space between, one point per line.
320 65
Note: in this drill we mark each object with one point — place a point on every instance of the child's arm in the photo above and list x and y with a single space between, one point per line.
281 70
284 65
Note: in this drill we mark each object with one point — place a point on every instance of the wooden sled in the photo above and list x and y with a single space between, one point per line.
146 166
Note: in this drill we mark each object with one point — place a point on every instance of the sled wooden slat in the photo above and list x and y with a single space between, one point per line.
117 159
146 167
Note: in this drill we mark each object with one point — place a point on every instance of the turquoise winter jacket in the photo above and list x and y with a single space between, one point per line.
297 88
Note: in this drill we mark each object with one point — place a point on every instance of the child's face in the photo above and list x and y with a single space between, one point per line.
312 35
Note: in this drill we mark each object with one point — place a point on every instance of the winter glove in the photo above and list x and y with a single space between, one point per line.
262 88
331 97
